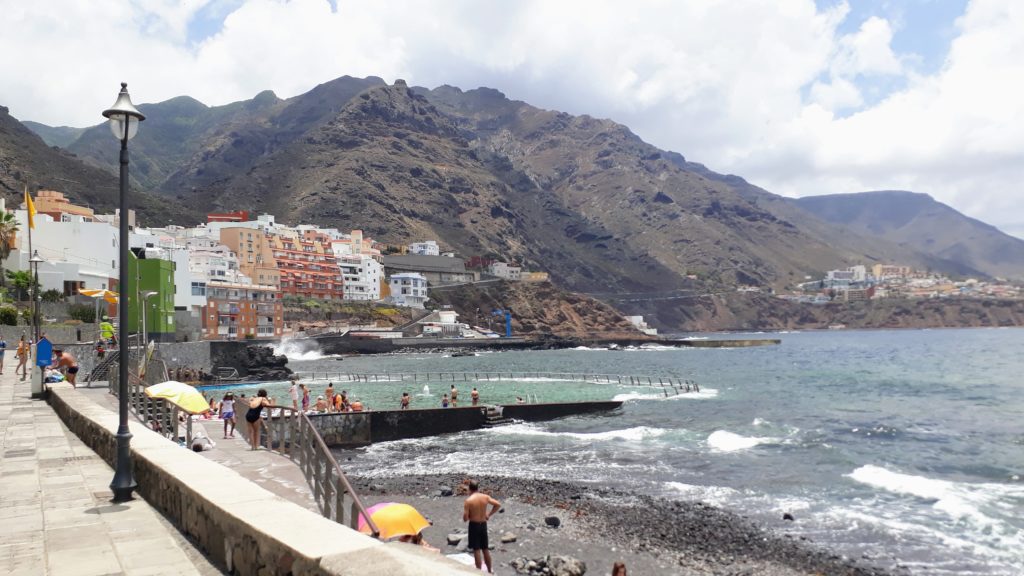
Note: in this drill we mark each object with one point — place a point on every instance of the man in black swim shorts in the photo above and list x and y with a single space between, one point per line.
474 511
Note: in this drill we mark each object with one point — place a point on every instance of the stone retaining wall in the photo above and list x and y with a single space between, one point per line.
241 527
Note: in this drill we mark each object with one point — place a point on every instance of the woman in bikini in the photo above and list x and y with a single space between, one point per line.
254 416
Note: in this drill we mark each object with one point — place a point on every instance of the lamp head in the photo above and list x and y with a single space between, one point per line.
124 117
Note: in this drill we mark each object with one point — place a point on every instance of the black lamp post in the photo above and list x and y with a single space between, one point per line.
124 123
34 262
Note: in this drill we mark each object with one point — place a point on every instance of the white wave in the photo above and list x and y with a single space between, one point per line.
717 495
304 350
636 433
629 396
956 499
704 394
725 441
759 422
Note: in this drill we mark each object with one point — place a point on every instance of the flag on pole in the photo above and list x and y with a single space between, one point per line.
30 207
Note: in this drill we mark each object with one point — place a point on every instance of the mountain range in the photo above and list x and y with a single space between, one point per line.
585 199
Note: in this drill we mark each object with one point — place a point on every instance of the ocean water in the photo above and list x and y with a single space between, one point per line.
902 447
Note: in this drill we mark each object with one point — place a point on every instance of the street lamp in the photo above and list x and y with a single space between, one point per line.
124 123
143 297
34 262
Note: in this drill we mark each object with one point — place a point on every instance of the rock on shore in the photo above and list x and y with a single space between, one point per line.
671 537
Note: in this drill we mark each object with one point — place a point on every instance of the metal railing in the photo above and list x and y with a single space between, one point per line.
289 432
664 383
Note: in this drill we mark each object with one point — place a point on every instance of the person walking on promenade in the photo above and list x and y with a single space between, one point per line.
305 397
3 351
254 416
475 396
474 511
455 396
405 400
227 414
22 356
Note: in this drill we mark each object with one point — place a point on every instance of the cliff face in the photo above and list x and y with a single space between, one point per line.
538 309
736 311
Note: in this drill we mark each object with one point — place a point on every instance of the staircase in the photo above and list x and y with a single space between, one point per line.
101 370
494 418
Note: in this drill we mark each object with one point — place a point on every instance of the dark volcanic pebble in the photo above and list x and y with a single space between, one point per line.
695 532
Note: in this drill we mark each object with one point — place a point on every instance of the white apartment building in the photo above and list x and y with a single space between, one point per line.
77 254
426 248
352 244
362 275
506 271
408 289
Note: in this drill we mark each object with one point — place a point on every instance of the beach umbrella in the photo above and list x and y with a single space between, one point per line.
98 294
393 519
108 295
181 395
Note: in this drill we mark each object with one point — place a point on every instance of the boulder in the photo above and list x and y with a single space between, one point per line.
454 538
508 538
553 521
566 566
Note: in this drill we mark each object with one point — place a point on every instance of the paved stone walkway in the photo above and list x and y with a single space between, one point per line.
56 517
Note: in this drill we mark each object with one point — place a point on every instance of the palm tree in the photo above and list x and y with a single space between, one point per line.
8 229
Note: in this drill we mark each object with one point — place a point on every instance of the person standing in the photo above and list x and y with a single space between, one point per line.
3 351
254 416
293 393
455 396
66 363
305 397
405 400
227 414
475 396
474 511
329 393
22 356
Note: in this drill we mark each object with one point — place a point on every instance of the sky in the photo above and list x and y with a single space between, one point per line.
800 97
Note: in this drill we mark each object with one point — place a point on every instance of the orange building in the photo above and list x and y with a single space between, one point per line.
307 266
255 257
239 311
55 205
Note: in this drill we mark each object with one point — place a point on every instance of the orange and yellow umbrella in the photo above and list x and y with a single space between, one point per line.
393 519
108 295
181 395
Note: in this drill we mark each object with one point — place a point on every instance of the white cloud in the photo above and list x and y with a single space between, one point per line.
751 88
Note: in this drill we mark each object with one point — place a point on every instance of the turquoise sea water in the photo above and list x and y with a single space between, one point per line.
905 447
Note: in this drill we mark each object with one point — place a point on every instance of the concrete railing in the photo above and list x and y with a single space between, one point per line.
240 527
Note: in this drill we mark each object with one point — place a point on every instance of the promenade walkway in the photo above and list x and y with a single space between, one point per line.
56 518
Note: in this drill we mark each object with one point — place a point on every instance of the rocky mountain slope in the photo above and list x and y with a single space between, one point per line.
918 222
538 309
25 160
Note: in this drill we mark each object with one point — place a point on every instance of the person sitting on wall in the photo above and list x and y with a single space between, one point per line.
356 406
321 404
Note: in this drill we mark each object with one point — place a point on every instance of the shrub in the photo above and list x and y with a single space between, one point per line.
52 295
9 316
83 312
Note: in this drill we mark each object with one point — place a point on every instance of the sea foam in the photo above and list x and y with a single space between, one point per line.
637 433
725 441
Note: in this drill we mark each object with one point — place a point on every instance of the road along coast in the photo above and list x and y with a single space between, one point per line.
602 525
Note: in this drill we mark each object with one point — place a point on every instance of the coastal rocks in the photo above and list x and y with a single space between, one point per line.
788 516
262 364
445 491
454 537
550 565
508 538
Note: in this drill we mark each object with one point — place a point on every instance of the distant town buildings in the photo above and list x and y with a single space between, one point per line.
408 289
426 248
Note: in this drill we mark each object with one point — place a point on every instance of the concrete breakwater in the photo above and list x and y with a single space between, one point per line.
352 429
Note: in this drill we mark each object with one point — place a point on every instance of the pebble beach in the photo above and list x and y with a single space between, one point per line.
600 526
